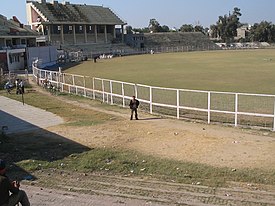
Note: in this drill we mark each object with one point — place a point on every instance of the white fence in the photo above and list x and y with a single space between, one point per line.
239 109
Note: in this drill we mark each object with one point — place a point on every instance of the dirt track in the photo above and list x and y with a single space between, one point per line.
106 190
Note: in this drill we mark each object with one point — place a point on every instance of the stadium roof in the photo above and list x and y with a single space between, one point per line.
12 28
75 13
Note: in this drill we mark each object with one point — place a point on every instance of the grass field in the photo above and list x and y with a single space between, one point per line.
251 71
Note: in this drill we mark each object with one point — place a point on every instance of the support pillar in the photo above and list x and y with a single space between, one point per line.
105 34
95 33
114 34
49 33
122 35
85 34
62 33
74 36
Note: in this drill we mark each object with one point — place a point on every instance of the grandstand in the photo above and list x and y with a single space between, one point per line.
93 30
73 24
90 50
191 40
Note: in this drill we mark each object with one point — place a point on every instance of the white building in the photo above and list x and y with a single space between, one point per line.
14 39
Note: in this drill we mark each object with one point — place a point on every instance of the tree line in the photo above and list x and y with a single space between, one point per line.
224 30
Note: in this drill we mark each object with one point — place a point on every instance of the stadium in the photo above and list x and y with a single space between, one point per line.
84 38
205 133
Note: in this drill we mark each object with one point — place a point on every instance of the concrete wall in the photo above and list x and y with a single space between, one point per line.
47 55
15 59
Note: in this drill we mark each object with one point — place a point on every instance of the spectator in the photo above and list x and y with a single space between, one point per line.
17 86
22 87
134 103
7 187
8 87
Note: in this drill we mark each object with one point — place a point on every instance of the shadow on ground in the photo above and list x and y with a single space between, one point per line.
32 144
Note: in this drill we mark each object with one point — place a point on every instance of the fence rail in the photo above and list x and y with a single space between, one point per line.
238 109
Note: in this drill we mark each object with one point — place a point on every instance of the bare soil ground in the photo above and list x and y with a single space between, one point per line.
215 145
105 190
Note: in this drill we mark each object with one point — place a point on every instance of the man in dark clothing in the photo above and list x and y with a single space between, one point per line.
134 103
7 187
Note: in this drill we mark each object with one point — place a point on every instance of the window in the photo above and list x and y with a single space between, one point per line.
70 28
90 28
58 28
14 58
80 28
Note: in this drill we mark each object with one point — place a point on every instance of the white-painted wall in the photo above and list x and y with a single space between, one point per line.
19 63
47 55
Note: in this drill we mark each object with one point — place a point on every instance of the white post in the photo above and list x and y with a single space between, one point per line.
84 84
123 97
136 91
236 110
178 103
111 91
274 118
58 79
40 76
103 97
209 107
73 80
93 88
63 81
151 101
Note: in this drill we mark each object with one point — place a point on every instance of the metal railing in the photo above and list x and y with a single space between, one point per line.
238 109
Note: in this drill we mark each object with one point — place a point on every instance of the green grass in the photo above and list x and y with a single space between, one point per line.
74 116
117 162
251 71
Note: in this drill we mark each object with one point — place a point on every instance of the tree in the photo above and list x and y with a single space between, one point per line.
199 28
165 28
141 30
154 26
227 25
263 32
187 28
213 33
129 29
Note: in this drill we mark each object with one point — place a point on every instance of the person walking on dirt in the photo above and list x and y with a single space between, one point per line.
6 187
134 103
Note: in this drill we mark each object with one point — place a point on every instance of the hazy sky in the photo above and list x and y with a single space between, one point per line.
173 13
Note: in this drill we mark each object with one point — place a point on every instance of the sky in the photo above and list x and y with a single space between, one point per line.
173 13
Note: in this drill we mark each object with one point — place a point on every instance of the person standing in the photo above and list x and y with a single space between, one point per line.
17 86
22 87
7 187
134 103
